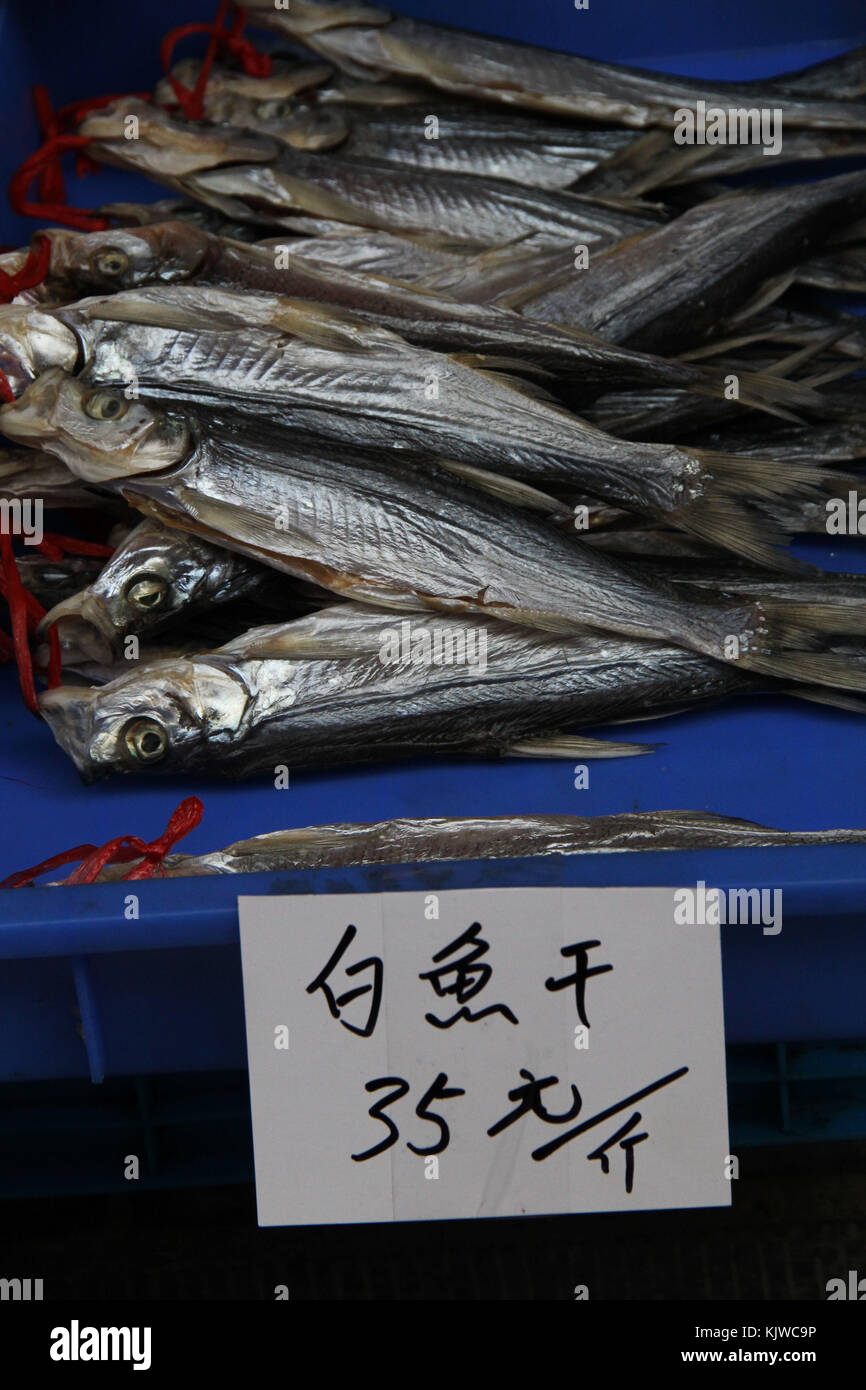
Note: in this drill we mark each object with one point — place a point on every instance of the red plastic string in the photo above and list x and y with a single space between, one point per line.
7 395
52 189
32 273
192 102
19 187
16 596
26 613
54 547
254 64
44 164
121 850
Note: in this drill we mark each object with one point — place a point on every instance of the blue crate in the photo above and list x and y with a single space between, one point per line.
85 993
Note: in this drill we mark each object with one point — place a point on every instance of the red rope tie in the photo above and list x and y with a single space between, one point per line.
121 850
32 273
26 613
54 547
51 186
44 164
7 395
23 177
254 64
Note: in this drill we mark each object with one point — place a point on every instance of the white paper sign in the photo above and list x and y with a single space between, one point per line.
488 1052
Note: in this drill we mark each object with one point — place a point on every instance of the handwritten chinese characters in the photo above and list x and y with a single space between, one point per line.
434 1071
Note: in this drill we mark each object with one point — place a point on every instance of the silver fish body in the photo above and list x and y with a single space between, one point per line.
408 841
453 207
670 288
304 366
89 263
377 122
428 685
365 525
370 42
296 187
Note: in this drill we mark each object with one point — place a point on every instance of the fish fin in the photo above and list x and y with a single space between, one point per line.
773 395
511 367
516 300
730 482
531 389
752 479
824 696
830 618
509 489
768 293
807 352
571 746
723 522
811 668
834 373
152 314
328 327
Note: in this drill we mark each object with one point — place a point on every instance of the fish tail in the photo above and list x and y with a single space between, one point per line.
766 637
768 480
824 618
812 668
774 395
733 490
727 524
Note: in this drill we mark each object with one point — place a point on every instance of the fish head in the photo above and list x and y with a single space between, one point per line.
269 104
31 341
125 258
308 127
99 432
139 134
166 717
156 574
225 86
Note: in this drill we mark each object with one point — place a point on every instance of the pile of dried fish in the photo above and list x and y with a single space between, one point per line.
443 424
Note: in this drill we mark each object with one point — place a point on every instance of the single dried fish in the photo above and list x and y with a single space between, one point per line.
350 686
367 526
367 41
415 841
670 288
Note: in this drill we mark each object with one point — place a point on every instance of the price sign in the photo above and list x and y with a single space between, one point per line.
490 1052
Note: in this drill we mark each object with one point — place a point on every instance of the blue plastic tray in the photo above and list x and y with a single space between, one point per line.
163 994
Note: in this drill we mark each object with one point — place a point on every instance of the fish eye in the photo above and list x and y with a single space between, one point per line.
106 405
145 741
273 110
112 262
147 591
